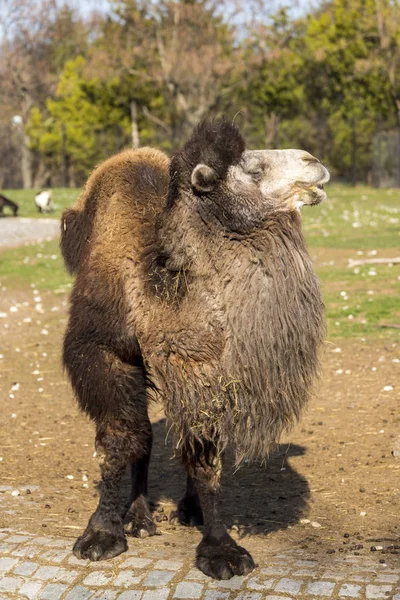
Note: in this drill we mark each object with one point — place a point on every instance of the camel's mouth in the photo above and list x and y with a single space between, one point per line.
314 194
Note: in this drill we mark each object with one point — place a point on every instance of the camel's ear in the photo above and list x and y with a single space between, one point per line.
204 178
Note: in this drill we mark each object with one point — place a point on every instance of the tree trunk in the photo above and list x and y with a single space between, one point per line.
64 158
71 176
271 123
379 153
42 176
398 144
353 152
134 124
26 160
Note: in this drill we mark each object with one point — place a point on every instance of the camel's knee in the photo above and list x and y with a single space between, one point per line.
117 441
106 387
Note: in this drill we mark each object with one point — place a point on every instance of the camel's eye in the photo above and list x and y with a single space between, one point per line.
255 169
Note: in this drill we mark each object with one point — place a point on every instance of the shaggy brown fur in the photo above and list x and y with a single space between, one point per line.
208 300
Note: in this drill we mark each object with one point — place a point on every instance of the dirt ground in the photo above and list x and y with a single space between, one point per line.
334 488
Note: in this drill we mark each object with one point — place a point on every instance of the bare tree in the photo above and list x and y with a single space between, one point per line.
34 47
388 27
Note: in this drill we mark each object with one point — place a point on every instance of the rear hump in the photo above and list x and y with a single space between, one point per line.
74 235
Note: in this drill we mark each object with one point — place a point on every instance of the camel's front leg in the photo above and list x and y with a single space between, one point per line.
218 555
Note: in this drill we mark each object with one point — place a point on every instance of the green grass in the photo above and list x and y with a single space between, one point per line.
371 293
61 197
357 303
361 218
357 223
38 265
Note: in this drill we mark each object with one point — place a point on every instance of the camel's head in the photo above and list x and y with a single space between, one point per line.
288 179
242 188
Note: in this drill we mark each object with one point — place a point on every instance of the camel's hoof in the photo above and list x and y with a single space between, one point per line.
99 544
139 528
223 558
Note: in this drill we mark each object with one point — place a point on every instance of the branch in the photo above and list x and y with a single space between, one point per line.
156 120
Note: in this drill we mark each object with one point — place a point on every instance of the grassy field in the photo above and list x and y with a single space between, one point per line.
353 224
61 197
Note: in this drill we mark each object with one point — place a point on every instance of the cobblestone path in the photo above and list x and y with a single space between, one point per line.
44 568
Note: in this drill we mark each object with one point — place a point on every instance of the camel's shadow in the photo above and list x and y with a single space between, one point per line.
258 500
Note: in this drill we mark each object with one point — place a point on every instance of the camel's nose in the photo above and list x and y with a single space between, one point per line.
307 157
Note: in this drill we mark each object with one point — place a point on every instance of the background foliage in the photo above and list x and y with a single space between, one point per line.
79 87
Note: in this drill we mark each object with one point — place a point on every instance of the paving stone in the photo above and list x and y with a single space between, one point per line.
66 575
77 562
349 590
255 584
169 565
60 544
131 595
46 573
98 578
275 571
10 584
188 590
6 564
387 578
56 556
29 589
337 576
216 595
26 568
248 596
53 591
275 597
158 553
106 595
232 584
160 594
378 591
127 578
306 563
158 578
136 563
41 541
304 573
26 551
289 586
197 575
6 548
79 593
359 578
18 539
320 588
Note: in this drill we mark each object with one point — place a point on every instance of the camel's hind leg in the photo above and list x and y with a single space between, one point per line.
217 555
113 393
189 510
138 520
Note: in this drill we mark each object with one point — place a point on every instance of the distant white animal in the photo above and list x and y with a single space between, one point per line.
43 201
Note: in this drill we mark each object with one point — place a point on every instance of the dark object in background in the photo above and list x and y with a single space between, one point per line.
7 202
